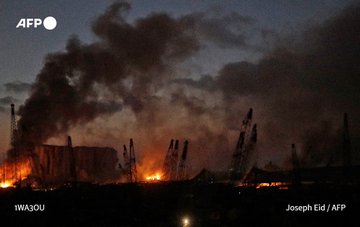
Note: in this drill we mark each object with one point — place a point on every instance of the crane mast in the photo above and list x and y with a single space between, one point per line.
245 144
182 174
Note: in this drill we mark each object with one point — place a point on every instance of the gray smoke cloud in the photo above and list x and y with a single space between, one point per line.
6 101
17 86
226 31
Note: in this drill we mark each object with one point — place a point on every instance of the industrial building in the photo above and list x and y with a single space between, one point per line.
54 165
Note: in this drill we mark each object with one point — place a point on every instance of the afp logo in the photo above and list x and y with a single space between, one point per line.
49 23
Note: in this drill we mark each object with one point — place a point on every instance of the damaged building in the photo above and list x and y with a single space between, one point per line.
54 165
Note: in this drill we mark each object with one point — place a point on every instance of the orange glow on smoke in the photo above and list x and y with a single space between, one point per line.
14 172
149 169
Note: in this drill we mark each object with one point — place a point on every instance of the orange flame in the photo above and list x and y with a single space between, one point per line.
280 185
13 172
149 169
5 184
154 177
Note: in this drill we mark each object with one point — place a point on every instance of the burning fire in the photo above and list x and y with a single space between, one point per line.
154 177
13 172
5 184
149 170
280 185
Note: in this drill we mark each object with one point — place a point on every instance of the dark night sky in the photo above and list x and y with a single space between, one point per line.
22 51
275 56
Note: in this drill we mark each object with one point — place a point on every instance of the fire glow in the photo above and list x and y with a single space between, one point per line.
280 185
14 172
154 177
5 184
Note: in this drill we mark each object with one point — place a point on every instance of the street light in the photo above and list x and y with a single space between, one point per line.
185 222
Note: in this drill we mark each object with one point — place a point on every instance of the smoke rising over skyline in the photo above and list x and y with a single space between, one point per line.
132 76
128 60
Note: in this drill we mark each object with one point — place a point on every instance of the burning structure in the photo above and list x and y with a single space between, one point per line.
52 165
49 165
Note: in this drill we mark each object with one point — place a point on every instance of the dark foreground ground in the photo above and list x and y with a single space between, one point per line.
168 204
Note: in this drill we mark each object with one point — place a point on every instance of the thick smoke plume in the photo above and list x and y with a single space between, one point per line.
297 89
90 80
